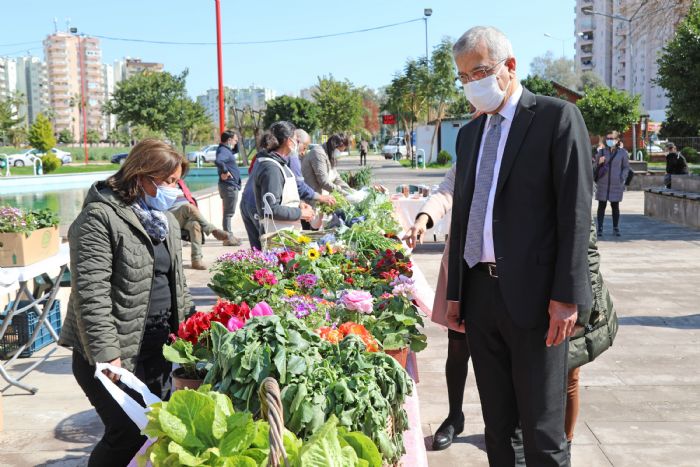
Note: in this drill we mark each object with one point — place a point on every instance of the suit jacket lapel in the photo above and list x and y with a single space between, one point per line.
518 130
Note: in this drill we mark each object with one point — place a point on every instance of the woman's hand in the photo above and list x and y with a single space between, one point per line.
601 161
113 376
307 212
415 233
327 199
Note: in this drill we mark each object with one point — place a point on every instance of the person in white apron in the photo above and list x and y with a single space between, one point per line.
276 195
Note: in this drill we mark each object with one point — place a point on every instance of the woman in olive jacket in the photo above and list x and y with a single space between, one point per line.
128 290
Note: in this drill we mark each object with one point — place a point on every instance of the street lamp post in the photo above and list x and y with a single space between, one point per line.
81 60
546 34
630 61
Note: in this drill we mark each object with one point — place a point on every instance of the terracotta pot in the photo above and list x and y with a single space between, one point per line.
400 355
180 382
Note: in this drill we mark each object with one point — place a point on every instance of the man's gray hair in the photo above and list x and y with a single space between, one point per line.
302 135
496 42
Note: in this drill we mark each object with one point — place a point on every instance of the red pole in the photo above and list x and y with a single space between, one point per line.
82 94
222 109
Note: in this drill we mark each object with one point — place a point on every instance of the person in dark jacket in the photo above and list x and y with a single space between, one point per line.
611 169
277 200
229 179
675 164
306 193
128 290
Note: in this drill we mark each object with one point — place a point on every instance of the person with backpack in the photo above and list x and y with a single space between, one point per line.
610 174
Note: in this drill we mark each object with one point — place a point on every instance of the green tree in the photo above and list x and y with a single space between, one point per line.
589 79
538 85
340 105
192 114
152 100
460 107
93 136
9 119
561 70
605 109
301 112
440 90
41 134
65 136
673 127
679 67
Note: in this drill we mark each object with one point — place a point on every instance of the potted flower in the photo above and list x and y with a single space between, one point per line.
397 321
27 236
247 275
191 347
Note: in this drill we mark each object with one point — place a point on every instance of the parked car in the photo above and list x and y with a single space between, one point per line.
24 158
64 156
119 157
395 146
206 154
27 157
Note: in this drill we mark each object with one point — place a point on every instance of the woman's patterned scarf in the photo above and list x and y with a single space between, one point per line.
155 222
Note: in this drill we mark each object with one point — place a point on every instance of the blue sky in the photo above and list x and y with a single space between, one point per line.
369 58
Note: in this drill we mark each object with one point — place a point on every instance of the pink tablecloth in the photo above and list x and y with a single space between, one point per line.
416 455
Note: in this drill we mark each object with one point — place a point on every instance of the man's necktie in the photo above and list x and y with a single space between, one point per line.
482 188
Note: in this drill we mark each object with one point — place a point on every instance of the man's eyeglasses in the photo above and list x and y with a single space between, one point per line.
478 74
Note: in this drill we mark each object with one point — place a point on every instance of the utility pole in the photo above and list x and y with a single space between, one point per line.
222 107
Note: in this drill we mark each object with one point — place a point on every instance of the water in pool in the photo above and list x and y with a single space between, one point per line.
67 203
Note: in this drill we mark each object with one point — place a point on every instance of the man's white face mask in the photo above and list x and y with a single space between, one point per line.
485 94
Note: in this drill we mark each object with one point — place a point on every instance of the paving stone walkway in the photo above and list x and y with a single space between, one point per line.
640 401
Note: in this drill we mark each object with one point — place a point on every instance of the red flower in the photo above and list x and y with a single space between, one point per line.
286 256
349 280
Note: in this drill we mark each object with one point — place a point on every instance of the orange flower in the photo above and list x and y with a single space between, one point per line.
334 336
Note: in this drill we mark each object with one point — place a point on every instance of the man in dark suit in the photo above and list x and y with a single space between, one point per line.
518 265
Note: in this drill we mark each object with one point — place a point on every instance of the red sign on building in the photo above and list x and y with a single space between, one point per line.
389 119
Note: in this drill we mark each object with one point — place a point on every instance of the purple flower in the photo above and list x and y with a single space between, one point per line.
306 281
250 256
234 324
404 286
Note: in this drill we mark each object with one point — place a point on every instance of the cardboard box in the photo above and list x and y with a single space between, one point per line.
18 249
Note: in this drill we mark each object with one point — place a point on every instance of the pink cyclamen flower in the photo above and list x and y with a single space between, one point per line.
358 300
234 324
262 309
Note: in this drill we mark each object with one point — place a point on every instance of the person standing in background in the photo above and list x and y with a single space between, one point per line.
364 149
229 180
611 168
675 164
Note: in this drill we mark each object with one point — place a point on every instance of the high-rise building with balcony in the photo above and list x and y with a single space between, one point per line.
74 68
32 84
620 40
8 77
134 66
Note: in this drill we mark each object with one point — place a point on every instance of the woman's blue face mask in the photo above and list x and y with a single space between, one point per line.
164 199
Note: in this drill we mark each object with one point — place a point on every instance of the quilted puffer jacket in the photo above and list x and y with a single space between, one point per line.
111 263
600 321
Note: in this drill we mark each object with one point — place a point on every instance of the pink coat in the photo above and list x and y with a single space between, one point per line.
436 207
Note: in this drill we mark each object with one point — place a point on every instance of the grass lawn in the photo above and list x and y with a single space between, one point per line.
68 169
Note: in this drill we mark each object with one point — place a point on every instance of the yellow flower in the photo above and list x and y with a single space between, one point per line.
329 248
313 253
303 239
289 292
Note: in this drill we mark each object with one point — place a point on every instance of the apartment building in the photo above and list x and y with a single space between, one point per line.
134 66
33 85
210 102
74 68
620 40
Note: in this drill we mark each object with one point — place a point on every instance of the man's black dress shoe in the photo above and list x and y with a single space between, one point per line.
447 431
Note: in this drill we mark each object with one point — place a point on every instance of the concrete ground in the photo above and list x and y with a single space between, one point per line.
640 400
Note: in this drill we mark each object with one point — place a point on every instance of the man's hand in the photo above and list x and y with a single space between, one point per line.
113 376
225 176
327 199
562 320
307 212
415 233
454 320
